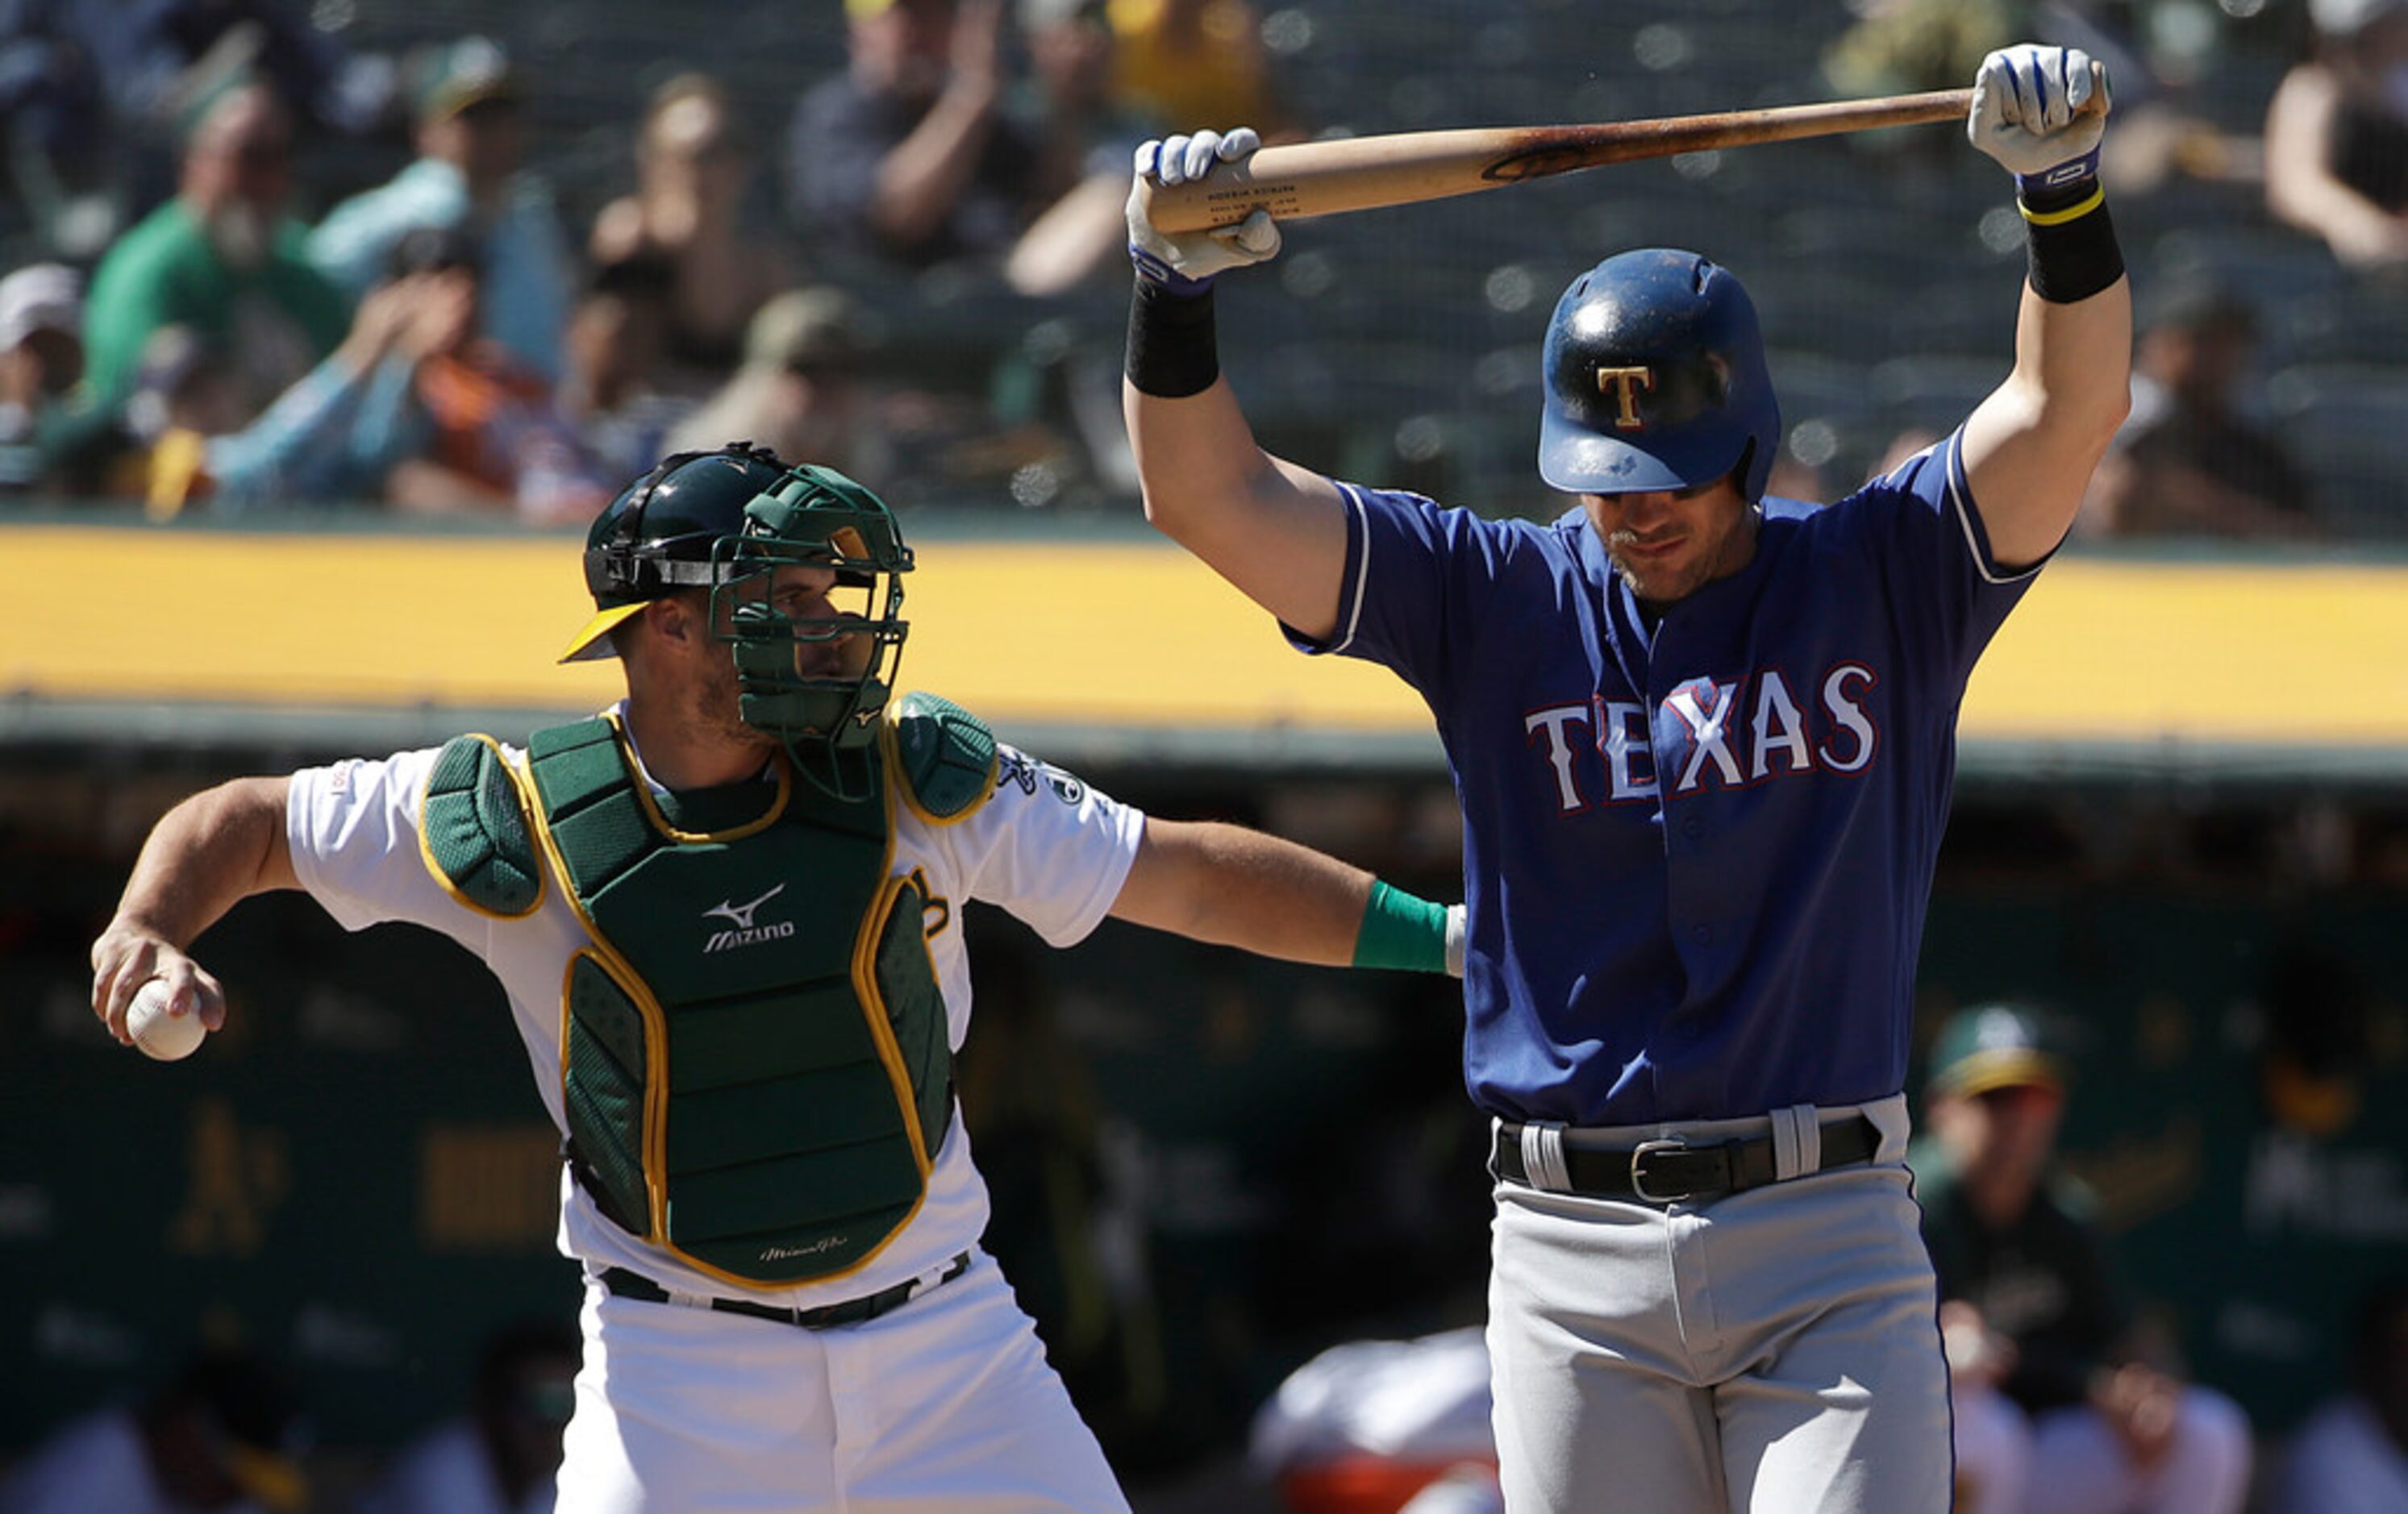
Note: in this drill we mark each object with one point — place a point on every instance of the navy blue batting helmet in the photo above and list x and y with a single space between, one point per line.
1655 380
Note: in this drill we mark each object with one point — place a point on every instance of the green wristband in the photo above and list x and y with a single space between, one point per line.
1401 931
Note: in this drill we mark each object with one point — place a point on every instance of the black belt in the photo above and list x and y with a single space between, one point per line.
828 1317
1675 1171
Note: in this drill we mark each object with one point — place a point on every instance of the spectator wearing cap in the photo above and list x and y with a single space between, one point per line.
224 1435
2336 134
692 177
41 359
2190 460
800 391
2060 1405
221 257
467 178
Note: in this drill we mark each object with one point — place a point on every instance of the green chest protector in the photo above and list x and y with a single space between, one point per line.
757 1070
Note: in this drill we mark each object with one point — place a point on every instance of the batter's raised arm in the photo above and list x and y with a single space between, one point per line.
1242 887
2032 445
205 856
1274 529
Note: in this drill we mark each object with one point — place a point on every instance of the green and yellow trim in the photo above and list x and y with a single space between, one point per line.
661 822
527 810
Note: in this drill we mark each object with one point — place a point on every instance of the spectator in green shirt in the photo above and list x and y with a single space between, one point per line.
220 258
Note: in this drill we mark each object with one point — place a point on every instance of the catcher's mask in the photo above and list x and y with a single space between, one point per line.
813 669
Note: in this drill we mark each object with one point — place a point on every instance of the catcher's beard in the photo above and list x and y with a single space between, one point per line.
714 713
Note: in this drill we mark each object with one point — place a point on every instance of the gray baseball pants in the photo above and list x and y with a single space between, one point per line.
1775 1351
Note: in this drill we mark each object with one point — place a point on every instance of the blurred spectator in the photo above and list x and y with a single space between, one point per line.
2057 1404
220 258
2188 461
220 1436
152 53
312 447
1383 1427
185 392
1088 142
414 409
479 430
41 358
1180 64
1896 46
617 335
502 1455
466 177
692 173
54 118
2351 1456
800 393
908 154
2336 134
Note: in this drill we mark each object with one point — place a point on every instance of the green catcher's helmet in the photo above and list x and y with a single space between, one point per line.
727 522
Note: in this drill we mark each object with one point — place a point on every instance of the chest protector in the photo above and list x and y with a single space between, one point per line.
757 1070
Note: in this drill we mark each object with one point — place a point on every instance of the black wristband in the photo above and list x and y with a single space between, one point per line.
1173 351
2073 250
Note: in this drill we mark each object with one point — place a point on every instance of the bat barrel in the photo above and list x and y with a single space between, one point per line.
1322 178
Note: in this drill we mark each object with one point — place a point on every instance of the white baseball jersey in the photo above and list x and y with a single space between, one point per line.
1047 848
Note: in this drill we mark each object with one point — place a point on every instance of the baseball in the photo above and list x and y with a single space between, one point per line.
167 1038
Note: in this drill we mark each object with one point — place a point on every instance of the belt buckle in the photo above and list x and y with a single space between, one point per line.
1639 1155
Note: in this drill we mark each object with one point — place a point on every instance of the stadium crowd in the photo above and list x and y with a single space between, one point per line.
263 264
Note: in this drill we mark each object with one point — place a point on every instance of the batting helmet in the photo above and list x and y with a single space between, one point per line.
726 522
1655 380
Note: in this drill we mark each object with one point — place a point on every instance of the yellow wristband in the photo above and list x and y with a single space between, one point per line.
2071 212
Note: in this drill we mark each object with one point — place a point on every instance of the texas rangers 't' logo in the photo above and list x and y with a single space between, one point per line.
1624 385
745 933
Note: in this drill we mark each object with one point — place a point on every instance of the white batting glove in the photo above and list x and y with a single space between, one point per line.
2027 113
1187 261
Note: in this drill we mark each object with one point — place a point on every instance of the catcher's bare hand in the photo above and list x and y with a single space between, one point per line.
127 956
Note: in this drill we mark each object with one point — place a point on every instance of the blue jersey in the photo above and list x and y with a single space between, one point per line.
1695 859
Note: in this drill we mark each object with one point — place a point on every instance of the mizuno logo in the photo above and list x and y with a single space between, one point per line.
740 915
745 933
784 1253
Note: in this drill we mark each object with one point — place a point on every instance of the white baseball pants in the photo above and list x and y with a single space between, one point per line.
946 1404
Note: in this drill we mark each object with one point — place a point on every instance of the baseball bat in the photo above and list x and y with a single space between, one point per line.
1362 173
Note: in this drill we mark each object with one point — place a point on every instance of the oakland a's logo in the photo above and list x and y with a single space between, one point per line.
1624 385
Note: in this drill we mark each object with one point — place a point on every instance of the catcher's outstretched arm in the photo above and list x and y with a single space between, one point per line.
209 853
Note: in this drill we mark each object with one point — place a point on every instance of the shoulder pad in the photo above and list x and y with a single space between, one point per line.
472 830
945 756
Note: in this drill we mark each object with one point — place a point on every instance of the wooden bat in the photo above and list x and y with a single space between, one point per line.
1323 178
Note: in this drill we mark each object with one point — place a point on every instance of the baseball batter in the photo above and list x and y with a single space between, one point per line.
1704 740
727 914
